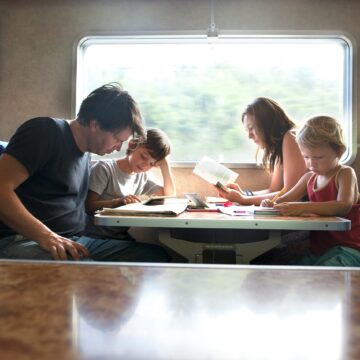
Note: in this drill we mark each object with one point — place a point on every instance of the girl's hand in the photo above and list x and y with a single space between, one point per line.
267 203
290 209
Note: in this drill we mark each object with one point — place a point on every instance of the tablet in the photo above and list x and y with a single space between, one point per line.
196 200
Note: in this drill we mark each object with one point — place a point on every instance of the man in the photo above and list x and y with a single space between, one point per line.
44 174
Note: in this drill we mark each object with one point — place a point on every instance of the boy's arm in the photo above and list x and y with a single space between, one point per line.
94 202
14 214
169 183
99 178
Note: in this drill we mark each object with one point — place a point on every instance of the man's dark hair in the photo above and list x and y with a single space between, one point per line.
113 108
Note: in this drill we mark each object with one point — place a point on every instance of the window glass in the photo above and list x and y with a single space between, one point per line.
196 89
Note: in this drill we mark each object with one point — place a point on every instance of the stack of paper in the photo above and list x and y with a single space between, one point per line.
258 210
248 210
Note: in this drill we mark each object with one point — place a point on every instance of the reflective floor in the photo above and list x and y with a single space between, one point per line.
91 311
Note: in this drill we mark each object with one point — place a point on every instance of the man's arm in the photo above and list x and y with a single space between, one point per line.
14 214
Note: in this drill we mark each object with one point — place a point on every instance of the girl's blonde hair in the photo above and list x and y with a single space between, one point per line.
322 130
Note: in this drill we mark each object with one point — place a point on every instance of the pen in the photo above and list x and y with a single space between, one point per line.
281 192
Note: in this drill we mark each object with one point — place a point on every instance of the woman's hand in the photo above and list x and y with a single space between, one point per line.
230 194
234 186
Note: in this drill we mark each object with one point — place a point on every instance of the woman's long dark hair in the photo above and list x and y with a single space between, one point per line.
271 124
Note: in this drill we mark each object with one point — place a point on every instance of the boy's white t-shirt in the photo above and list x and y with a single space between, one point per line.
107 180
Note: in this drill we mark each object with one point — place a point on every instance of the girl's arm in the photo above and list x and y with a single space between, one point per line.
347 196
169 184
294 194
93 202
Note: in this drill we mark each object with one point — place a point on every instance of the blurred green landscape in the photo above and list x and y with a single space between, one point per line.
200 107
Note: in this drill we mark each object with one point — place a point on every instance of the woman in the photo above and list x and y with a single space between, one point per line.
272 130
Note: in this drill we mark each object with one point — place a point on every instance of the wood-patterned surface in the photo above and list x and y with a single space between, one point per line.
109 311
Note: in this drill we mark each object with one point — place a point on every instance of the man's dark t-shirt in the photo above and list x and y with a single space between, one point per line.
56 189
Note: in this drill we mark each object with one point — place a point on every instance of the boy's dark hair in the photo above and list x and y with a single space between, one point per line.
113 108
157 143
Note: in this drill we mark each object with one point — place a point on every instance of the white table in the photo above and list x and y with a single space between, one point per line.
245 251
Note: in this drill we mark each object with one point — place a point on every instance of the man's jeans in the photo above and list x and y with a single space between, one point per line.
18 247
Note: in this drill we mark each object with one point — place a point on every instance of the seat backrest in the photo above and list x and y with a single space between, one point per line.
3 145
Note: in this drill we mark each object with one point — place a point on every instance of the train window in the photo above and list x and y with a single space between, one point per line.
195 88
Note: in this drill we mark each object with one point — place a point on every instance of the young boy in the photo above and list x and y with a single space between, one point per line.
119 182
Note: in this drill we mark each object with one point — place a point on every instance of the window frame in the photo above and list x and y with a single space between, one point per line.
349 90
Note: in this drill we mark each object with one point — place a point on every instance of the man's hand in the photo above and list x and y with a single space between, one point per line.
60 247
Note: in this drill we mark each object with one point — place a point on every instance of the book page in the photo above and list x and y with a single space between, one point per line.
213 172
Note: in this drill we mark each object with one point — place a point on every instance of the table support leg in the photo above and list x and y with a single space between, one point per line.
245 252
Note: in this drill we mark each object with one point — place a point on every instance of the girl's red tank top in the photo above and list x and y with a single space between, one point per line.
323 240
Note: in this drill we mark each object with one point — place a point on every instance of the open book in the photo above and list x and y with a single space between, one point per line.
155 199
169 207
213 172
